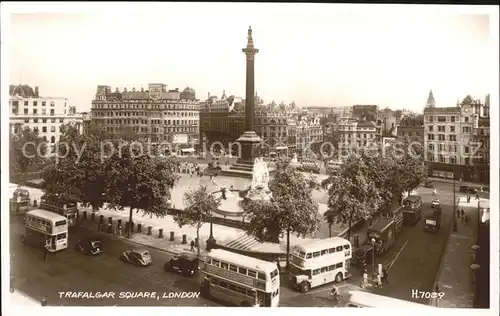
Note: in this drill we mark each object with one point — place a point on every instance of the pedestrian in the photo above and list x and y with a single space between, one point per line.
192 245
477 196
364 281
45 253
385 275
379 280
468 198
466 219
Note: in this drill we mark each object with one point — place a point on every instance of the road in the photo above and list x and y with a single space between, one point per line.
417 264
69 270
415 268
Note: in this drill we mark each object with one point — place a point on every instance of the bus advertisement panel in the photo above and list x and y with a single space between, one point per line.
240 280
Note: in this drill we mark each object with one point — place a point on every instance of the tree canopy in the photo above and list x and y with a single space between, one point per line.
26 151
104 169
290 210
199 207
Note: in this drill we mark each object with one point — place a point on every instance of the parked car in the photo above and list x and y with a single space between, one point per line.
89 246
138 257
184 263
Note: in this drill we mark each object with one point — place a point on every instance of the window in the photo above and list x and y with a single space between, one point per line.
233 268
262 276
35 120
317 271
232 287
61 120
44 120
61 236
214 281
223 284
242 271
52 129
324 252
316 254
216 262
324 269
452 129
241 290
25 111
441 119
52 112
35 103
441 128
44 111
466 149
441 137
430 136
35 111
339 248
60 223
347 246
453 138
26 121
224 265
44 129
430 146
339 265
452 119
252 274
453 160
466 119
44 103
331 250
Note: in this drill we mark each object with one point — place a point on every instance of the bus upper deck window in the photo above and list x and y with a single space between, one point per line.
316 254
309 256
347 246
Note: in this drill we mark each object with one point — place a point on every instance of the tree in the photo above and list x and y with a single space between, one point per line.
290 210
78 167
26 151
138 181
200 205
352 193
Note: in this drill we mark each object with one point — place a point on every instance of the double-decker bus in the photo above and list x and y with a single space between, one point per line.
46 229
320 262
365 299
62 205
412 209
240 280
19 201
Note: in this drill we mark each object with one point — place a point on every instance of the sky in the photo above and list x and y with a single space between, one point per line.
312 54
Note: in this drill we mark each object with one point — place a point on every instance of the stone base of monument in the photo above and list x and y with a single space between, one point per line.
259 193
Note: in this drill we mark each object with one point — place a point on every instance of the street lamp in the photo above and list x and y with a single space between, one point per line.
373 254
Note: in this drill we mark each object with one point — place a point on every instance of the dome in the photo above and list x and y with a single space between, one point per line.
188 94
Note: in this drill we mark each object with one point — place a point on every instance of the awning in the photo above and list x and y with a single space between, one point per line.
281 148
187 150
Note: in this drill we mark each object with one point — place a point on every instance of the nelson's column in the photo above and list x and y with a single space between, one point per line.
249 140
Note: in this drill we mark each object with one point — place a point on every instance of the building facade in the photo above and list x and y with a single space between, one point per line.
156 115
366 112
449 140
43 114
354 135
411 126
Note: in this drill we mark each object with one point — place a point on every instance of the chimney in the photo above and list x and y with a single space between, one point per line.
133 89
36 91
142 89
125 90
209 95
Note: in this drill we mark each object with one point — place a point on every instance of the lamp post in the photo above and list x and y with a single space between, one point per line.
373 254
211 240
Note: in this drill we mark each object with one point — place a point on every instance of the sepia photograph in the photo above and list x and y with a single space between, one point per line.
297 155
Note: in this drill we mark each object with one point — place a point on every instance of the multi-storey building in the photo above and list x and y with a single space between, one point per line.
412 126
309 133
366 112
43 114
157 115
449 139
223 120
481 136
353 135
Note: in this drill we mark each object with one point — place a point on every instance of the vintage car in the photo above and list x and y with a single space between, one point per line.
436 204
184 263
138 257
89 246
428 184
